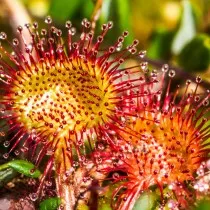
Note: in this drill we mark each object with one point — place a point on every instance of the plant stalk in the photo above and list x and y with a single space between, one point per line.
64 185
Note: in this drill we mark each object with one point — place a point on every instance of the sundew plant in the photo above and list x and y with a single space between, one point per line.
90 120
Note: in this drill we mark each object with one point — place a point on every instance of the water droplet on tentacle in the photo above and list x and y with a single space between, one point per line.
6 143
6 155
3 35
33 196
171 73
48 20
142 53
165 68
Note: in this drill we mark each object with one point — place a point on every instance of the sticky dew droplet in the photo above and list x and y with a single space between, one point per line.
48 20
6 144
3 35
171 73
165 68
33 196
5 155
142 53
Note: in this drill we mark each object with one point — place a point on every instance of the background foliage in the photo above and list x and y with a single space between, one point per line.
172 31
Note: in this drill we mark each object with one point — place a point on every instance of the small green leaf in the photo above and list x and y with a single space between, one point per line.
160 46
196 54
203 205
146 201
50 204
63 9
6 176
24 167
187 29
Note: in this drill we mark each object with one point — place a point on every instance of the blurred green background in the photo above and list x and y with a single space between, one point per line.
171 31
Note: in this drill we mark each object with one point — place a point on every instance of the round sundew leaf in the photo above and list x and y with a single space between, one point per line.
24 167
50 204
6 176
146 201
195 56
